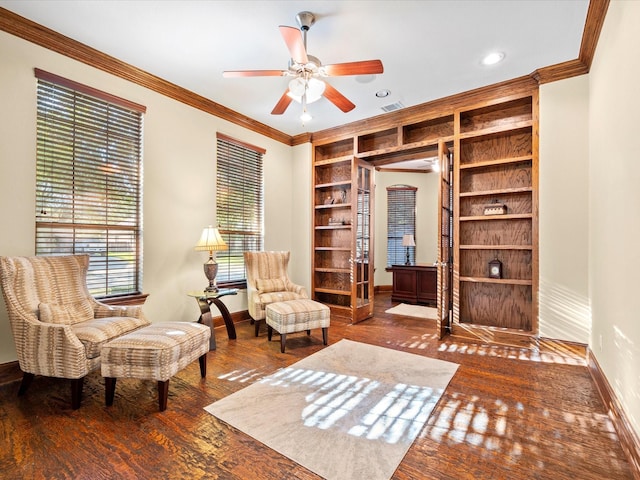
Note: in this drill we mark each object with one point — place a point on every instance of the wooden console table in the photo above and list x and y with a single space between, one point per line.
415 284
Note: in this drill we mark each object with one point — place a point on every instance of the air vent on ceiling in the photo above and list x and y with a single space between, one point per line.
393 106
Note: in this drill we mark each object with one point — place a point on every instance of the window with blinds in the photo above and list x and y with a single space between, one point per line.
239 206
401 220
88 182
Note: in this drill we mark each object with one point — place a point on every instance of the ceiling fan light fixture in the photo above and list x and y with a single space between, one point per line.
312 88
305 117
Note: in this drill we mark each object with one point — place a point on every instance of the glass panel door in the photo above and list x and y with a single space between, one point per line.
362 300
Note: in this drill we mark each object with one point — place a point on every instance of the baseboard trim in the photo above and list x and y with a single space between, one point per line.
237 317
383 288
628 438
10 372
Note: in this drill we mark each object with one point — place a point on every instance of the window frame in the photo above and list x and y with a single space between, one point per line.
238 161
402 223
89 174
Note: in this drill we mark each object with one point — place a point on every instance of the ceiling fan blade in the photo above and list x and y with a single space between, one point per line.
339 100
252 73
293 38
366 67
282 104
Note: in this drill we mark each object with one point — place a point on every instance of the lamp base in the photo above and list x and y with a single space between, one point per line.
210 271
407 262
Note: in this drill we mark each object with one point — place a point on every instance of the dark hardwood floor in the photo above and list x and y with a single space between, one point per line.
508 413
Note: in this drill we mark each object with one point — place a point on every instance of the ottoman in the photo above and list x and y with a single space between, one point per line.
156 352
296 316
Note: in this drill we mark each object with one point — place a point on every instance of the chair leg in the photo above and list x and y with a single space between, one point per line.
283 338
109 390
27 378
203 365
258 322
269 332
163 393
325 335
308 332
76 392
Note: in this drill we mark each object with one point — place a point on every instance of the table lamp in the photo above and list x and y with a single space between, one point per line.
211 241
408 241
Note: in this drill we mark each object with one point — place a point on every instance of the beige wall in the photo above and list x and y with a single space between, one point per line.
614 201
426 219
179 182
564 201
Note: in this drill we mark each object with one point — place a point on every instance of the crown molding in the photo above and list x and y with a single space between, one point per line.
47 38
54 41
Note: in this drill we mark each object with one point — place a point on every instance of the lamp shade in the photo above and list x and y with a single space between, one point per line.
211 241
408 241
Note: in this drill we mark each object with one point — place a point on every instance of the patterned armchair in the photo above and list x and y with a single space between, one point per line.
268 282
58 327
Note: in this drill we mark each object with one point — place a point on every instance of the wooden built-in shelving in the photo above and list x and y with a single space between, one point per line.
494 143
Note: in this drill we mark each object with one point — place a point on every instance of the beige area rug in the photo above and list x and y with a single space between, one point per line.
414 311
349 411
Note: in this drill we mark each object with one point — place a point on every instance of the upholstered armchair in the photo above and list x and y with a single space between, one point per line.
58 327
268 282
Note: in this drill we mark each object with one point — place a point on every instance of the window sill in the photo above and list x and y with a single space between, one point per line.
133 299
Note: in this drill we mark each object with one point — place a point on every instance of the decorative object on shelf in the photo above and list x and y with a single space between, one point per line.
408 241
495 269
495 208
343 196
211 241
328 201
334 222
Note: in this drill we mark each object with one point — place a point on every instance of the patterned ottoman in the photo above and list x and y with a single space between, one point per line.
156 352
296 316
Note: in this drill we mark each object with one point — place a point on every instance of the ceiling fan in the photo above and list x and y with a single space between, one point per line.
307 72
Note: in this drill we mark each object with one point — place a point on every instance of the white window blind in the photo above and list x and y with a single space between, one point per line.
401 220
239 206
88 182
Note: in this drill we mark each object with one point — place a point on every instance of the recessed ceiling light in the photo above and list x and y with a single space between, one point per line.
493 58
383 93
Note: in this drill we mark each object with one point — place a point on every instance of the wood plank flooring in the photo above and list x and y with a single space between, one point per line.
508 413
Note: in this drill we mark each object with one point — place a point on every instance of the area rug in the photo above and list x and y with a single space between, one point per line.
414 311
349 411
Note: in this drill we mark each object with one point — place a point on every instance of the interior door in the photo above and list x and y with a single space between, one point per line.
363 292
445 245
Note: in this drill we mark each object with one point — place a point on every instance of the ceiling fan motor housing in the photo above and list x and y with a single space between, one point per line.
305 20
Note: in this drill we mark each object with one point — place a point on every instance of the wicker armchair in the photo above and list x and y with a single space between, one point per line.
58 327
268 282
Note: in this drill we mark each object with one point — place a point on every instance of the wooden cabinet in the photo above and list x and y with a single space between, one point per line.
415 284
496 165
342 240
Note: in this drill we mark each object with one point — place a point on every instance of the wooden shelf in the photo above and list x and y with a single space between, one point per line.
333 205
504 281
498 161
333 249
496 247
343 183
333 291
508 216
500 191
333 270
333 227
491 131
333 161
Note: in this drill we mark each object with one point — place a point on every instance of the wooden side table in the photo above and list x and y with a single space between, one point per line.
205 299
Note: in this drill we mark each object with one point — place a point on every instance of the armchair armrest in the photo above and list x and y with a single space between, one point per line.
299 289
49 349
102 310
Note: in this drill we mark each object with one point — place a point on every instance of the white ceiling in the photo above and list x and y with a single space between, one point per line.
430 49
